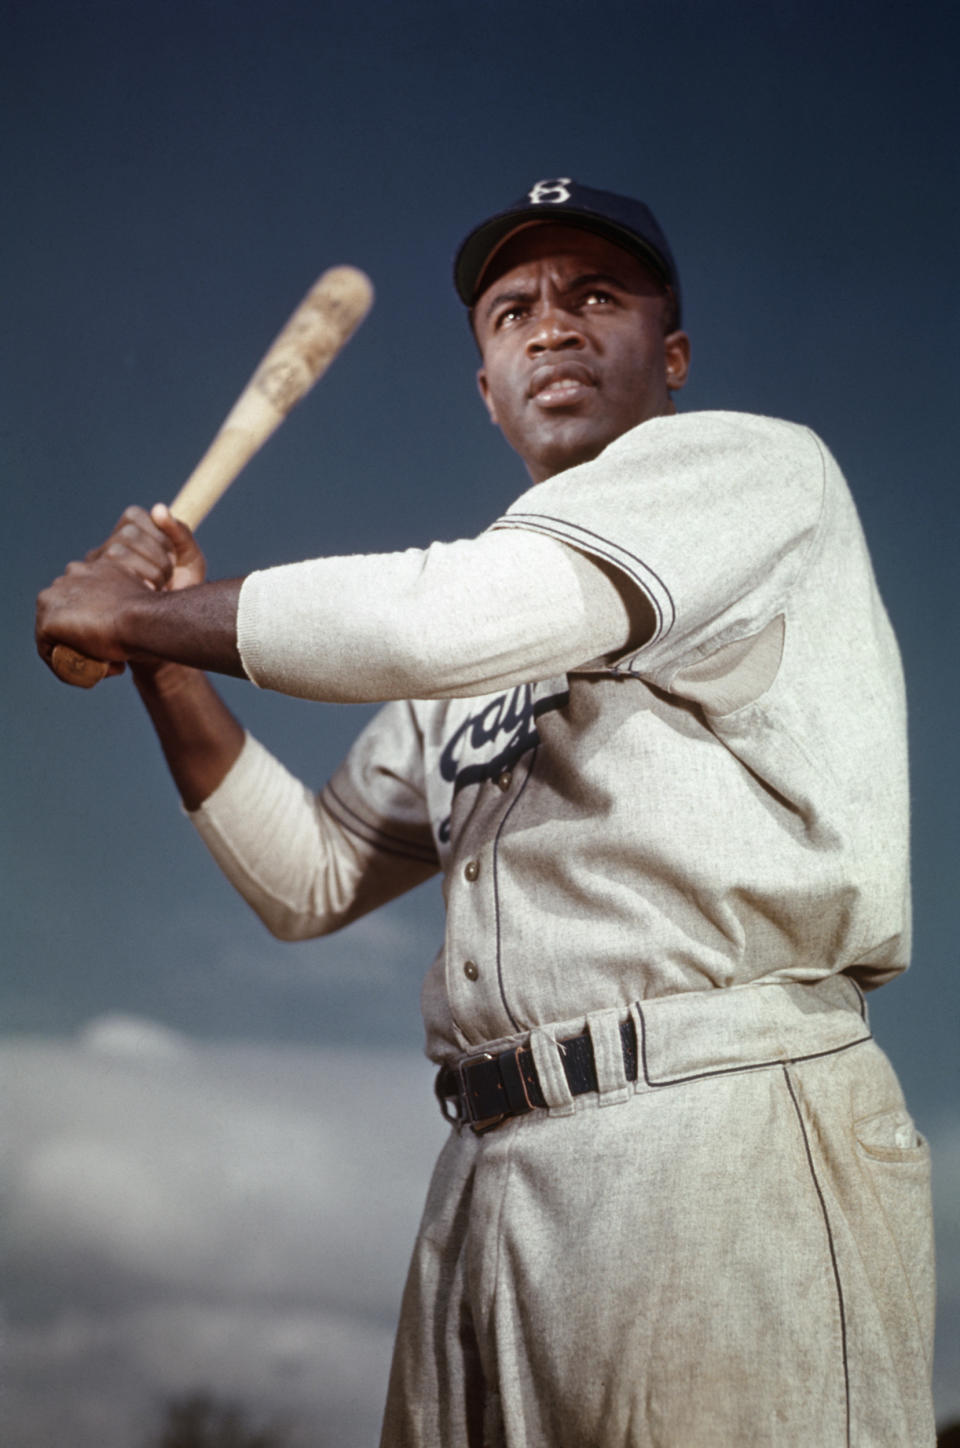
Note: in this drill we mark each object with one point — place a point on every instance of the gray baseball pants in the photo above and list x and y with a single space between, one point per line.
733 1252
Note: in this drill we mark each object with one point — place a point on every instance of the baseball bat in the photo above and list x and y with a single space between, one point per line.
321 325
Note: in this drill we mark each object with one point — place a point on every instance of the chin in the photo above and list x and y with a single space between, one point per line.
559 454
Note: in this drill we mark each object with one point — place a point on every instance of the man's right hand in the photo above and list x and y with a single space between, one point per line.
154 547
163 553
200 737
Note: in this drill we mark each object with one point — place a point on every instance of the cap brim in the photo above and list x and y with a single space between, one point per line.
477 252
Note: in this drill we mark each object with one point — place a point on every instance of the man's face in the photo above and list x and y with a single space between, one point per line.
571 332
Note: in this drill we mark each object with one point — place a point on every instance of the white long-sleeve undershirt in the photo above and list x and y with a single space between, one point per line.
450 620
293 863
455 619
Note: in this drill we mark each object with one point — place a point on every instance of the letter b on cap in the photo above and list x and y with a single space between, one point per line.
553 191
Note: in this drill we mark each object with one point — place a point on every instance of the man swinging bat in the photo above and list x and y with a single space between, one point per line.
682 1201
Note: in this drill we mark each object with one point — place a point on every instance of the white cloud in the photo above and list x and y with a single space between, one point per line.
181 1214
238 1217
86 1378
120 1035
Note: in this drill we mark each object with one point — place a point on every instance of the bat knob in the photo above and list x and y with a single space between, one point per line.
73 668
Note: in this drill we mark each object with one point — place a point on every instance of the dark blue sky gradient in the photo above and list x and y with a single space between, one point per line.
176 174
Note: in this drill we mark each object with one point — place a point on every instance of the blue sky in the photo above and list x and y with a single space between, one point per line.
176 175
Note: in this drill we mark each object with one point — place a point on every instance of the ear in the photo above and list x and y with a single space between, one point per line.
676 355
484 389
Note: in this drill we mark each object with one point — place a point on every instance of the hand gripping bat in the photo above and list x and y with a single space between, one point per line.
321 325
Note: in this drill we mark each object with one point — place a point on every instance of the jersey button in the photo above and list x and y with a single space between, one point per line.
504 780
471 970
471 870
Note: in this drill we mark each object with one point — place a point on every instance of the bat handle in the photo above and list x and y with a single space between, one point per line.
77 669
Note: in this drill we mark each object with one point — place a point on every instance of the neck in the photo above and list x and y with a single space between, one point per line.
541 469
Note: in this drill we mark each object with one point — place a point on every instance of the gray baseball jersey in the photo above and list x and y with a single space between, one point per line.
724 805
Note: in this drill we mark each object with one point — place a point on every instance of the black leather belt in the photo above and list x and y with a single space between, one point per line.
485 1090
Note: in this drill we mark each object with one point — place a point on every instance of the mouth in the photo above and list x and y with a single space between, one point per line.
560 384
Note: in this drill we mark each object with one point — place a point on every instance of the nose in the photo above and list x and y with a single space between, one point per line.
555 331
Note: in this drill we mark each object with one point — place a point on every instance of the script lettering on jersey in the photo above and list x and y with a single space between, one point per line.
494 738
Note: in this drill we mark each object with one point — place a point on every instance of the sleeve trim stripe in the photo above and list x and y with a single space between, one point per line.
390 844
588 542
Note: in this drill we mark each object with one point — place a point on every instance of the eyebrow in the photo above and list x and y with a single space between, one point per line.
499 299
586 279
607 279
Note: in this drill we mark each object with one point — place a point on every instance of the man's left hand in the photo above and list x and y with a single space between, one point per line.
84 609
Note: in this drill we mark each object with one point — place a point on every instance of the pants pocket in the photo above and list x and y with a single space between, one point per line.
891 1136
896 1158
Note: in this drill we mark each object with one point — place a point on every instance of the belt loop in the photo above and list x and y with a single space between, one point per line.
641 1083
604 1028
553 1079
514 1084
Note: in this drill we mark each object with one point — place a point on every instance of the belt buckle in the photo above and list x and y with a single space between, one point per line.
455 1106
487 1123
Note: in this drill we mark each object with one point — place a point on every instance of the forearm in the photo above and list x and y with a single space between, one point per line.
200 738
454 619
191 629
194 626
103 609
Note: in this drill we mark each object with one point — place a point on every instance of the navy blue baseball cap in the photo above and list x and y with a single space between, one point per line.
563 201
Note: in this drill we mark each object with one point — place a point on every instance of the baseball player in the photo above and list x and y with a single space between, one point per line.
656 746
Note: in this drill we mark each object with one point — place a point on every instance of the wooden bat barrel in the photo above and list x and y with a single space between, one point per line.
299 355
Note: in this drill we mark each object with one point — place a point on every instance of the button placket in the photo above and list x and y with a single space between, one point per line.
471 872
472 972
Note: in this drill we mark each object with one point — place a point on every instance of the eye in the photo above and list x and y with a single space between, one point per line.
596 297
509 314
